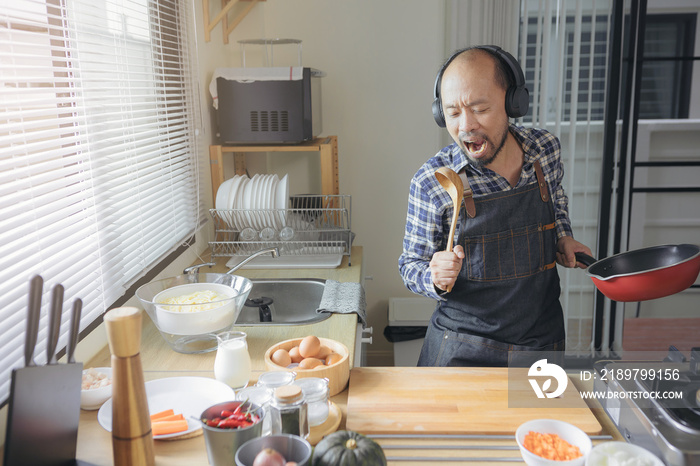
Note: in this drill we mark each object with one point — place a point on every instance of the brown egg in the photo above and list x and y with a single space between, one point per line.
294 354
323 352
310 363
309 347
333 358
281 357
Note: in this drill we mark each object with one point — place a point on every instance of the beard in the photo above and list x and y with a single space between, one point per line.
492 150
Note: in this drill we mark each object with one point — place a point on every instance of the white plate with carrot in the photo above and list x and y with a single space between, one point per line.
175 404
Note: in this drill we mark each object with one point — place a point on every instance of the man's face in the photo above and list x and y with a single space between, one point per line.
474 107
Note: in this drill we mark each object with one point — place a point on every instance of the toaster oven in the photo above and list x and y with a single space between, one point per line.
268 105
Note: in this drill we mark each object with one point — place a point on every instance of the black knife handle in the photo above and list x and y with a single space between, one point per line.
74 329
54 323
36 286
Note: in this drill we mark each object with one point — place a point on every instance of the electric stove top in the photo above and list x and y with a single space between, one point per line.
655 403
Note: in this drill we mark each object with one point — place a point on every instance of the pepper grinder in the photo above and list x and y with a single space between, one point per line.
132 438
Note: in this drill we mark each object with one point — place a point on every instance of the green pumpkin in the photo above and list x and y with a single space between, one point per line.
347 448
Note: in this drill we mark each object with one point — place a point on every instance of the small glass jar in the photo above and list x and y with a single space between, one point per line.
260 396
315 392
274 379
289 412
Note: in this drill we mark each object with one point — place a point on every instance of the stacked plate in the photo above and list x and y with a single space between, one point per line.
259 202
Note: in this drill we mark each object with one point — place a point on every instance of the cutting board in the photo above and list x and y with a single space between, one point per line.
455 400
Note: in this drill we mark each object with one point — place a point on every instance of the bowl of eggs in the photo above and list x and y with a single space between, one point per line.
312 356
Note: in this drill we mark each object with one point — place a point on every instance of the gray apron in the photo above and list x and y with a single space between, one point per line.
505 302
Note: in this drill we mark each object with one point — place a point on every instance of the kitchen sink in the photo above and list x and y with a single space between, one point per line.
290 301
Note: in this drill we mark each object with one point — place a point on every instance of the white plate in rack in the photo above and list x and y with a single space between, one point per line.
281 196
222 194
236 181
267 201
247 202
236 200
258 200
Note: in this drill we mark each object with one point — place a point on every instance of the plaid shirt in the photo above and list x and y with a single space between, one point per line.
430 207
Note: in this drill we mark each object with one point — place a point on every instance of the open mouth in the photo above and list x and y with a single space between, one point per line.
476 148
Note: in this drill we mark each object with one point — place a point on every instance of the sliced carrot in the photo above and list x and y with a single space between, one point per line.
174 417
551 447
168 427
167 412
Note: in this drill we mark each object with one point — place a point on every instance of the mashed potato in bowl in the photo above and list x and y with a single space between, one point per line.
621 454
196 301
194 309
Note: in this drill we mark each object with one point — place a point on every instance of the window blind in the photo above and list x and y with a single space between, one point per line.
98 154
564 49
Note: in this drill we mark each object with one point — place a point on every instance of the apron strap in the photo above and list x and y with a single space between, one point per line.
468 195
549 266
544 190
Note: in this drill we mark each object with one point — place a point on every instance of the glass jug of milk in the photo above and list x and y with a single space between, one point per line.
232 362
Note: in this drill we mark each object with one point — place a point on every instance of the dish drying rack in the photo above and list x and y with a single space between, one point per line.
315 227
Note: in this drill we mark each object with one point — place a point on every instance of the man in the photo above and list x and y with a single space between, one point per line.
502 276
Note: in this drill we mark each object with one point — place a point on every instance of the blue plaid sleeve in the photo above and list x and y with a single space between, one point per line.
427 209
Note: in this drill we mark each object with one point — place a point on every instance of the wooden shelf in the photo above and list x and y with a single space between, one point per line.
327 147
222 16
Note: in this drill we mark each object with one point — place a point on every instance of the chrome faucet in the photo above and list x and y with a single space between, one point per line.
194 269
274 251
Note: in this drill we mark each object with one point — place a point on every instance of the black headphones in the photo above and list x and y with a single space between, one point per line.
517 95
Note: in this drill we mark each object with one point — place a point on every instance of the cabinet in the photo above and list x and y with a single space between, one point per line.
327 147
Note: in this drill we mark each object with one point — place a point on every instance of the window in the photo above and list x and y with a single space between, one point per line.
98 158
590 38
666 74
667 70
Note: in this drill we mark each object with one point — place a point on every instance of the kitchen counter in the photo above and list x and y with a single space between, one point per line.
158 360
156 355
94 443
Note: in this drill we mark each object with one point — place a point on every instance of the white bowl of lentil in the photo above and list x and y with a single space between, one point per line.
541 440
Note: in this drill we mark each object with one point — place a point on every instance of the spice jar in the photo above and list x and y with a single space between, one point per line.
315 392
289 412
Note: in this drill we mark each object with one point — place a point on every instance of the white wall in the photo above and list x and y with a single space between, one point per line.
380 59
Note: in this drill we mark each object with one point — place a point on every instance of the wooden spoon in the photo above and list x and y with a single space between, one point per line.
454 187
